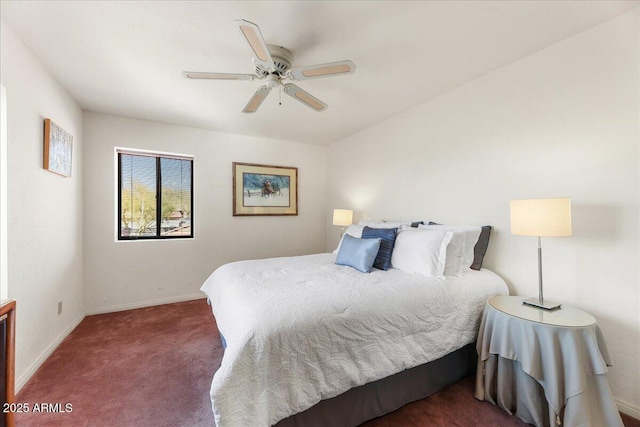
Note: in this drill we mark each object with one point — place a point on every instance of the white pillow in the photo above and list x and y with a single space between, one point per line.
353 231
455 249
421 251
460 250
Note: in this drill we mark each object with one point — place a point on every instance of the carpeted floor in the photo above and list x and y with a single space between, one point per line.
153 367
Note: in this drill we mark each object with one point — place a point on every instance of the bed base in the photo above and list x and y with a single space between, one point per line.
381 397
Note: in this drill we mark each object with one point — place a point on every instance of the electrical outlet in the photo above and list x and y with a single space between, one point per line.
59 307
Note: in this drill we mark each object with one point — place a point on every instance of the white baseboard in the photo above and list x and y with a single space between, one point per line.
142 304
26 376
628 408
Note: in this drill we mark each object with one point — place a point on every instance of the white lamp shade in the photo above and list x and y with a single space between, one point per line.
342 217
541 217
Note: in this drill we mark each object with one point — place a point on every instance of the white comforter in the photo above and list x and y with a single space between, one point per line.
302 329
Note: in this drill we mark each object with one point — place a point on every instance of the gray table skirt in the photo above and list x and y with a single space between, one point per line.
545 375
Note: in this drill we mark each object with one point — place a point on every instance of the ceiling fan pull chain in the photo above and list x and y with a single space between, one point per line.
280 95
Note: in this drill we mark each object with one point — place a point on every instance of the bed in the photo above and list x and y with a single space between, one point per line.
309 342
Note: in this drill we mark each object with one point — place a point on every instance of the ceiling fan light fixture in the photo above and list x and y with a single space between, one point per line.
273 63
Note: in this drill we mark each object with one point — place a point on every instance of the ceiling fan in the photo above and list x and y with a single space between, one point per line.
273 64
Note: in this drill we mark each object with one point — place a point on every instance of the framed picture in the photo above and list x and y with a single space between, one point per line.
264 190
58 145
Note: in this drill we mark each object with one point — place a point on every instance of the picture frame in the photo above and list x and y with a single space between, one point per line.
58 149
264 190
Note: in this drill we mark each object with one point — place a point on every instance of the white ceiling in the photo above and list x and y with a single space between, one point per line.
127 58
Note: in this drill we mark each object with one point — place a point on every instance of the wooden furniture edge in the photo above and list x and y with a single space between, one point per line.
8 308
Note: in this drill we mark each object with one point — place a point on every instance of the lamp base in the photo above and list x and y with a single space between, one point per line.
544 304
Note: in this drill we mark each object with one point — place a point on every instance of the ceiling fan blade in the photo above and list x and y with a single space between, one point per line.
256 100
305 97
219 76
253 36
323 70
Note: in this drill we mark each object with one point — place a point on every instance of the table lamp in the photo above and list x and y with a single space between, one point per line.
342 218
541 218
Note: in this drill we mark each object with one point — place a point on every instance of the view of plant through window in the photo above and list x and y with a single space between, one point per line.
155 196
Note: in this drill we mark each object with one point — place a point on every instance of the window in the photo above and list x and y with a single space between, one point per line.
155 195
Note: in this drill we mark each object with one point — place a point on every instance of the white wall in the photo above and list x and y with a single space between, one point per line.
44 209
4 261
120 275
561 122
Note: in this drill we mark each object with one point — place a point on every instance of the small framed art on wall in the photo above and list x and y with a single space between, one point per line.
58 147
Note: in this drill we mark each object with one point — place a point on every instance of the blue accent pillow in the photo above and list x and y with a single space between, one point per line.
388 240
224 342
358 253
